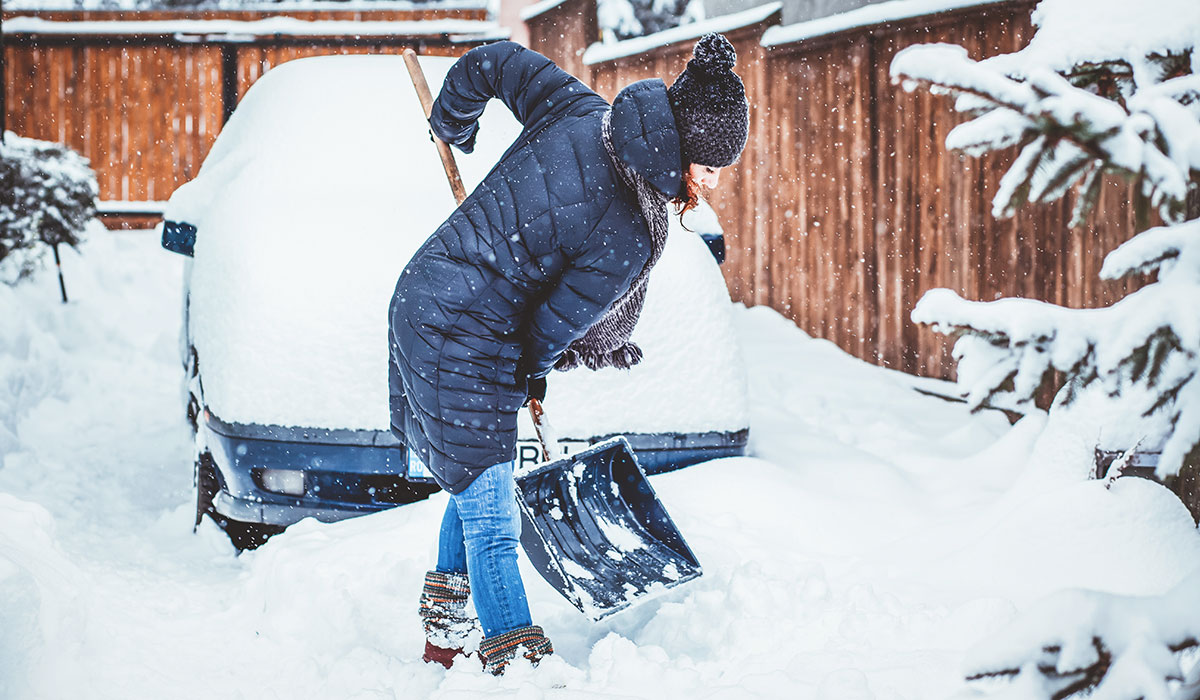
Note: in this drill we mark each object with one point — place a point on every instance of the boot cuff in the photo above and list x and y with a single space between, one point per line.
499 650
440 585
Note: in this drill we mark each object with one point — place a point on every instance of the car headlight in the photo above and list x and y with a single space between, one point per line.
285 481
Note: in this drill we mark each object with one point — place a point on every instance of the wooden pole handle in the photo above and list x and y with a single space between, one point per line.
539 424
426 97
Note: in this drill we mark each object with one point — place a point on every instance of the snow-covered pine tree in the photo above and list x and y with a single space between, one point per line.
47 195
625 19
1104 87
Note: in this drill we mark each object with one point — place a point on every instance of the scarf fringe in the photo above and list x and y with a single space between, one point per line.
606 343
623 357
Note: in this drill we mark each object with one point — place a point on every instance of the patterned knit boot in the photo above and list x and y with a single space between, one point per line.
448 626
497 652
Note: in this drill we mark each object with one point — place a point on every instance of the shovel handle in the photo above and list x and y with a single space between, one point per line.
542 426
426 97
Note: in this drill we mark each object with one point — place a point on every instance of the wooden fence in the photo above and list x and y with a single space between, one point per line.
145 107
847 206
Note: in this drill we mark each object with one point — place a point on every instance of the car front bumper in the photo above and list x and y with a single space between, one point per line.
348 473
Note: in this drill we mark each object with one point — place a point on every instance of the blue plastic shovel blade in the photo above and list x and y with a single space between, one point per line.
595 530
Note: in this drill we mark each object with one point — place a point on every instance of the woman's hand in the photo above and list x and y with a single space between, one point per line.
535 388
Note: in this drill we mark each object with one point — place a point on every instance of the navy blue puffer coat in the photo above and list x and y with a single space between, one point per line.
529 261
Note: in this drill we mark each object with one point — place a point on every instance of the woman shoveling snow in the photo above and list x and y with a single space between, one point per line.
544 266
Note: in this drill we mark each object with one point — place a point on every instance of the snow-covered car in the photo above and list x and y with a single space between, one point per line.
314 196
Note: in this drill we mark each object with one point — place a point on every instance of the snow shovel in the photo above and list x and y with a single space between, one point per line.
594 529
592 525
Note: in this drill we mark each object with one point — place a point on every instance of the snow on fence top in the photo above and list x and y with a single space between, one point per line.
116 206
272 26
599 53
865 17
539 8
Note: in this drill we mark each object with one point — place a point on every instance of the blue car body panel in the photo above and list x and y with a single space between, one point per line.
664 452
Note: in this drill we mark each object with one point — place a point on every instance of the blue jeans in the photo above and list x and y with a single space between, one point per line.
479 536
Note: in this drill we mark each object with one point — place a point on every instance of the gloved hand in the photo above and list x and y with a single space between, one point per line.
535 388
461 135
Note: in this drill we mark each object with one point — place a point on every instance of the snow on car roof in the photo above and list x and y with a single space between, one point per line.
317 192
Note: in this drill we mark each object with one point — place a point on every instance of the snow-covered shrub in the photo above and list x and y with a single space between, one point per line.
47 195
1113 647
625 19
1104 87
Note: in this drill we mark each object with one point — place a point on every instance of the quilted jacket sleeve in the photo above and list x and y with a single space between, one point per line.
531 85
584 292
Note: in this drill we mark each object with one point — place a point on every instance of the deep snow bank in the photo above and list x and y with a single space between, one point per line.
874 536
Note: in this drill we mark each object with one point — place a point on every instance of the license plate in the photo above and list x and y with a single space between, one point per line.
417 468
529 452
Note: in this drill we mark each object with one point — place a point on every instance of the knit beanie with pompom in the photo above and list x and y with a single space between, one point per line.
709 103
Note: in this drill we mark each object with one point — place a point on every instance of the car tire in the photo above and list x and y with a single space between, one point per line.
246 536
205 481
242 535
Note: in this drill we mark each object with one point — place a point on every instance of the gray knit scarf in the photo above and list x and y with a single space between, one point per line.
606 344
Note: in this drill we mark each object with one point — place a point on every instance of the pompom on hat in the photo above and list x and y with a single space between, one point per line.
709 103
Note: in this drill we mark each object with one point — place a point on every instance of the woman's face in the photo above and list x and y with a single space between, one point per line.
704 175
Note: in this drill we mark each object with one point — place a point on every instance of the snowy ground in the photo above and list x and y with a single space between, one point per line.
871 539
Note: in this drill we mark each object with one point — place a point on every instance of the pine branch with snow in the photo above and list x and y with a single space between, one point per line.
1149 340
1077 116
1107 647
47 195
1070 133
